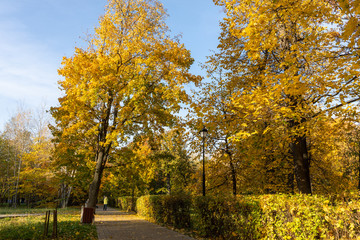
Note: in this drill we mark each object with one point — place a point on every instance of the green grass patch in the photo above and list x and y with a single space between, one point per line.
21 210
32 227
25 210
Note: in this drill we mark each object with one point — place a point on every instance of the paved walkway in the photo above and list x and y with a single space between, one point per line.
113 224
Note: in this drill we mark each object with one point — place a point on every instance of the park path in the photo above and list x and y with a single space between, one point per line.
114 224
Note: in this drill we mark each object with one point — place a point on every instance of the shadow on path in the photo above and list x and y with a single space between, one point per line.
114 224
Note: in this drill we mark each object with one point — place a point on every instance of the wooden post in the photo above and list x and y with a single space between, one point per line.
54 234
47 218
48 222
45 224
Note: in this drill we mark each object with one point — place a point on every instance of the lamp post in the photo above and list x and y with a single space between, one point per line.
203 134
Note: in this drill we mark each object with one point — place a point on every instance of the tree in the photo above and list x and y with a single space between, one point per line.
18 133
150 164
255 163
37 181
26 151
37 175
212 105
351 28
291 69
7 153
129 79
72 163
131 169
171 154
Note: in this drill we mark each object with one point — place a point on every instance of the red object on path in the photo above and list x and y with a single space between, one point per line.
87 215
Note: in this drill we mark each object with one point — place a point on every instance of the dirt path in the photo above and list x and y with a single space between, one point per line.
113 224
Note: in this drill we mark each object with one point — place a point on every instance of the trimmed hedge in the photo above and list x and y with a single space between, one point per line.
149 207
166 209
308 217
257 217
127 203
226 218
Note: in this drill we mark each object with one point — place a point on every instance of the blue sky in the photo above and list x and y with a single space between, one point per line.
36 34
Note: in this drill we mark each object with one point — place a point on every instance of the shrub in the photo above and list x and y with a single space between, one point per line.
127 203
166 209
226 218
149 207
308 217
258 217
176 210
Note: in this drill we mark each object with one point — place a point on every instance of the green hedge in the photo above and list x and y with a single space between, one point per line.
149 207
166 209
226 218
257 217
308 217
127 203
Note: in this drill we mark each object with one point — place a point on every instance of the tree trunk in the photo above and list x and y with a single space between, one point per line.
61 195
269 174
290 182
301 164
133 201
16 183
95 184
232 166
233 176
68 194
102 152
65 192
168 183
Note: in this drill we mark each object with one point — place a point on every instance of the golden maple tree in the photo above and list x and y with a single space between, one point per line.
129 79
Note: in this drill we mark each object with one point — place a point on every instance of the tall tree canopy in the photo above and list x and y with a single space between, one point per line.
289 70
130 78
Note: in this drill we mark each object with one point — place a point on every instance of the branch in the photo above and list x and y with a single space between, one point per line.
220 184
335 107
336 93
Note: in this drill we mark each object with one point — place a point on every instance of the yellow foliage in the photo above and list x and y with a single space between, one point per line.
284 72
128 80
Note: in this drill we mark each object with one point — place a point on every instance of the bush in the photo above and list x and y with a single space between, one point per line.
176 211
308 217
257 217
226 218
127 204
166 209
149 207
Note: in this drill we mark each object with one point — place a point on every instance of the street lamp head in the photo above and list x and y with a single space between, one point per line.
203 132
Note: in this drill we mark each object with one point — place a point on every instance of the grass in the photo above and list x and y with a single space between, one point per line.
24 210
21 210
32 227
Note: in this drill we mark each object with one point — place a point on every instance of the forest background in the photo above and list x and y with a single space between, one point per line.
280 103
